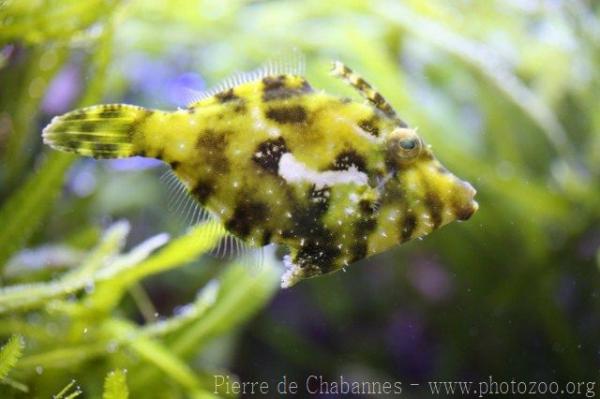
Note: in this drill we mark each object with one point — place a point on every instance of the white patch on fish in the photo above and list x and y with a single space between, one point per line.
294 171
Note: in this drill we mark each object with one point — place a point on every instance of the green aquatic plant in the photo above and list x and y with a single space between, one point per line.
115 385
10 354
70 391
80 307
93 332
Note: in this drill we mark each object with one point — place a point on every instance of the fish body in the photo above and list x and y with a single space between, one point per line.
277 161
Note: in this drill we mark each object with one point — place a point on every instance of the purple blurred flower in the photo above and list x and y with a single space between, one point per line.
62 91
589 245
146 75
134 163
82 178
430 279
409 345
289 307
566 292
6 52
185 88
160 80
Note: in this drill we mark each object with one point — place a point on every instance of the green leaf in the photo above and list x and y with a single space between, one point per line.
241 293
189 313
19 386
65 391
132 267
10 354
30 295
115 385
160 356
490 66
23 21
24 106
26 209
63 357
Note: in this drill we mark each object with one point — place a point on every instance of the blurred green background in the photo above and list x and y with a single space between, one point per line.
93 291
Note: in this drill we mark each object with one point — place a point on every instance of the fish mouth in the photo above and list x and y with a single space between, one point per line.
474 206
470 206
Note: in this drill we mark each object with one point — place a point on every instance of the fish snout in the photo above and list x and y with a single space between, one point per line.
465 206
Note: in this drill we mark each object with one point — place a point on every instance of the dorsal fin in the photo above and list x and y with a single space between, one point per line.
365 89
286 64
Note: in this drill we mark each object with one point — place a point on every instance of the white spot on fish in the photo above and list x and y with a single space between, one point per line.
294 171
261 125
273 131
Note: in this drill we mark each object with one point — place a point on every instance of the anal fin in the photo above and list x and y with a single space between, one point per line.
181 203
190 212
231 247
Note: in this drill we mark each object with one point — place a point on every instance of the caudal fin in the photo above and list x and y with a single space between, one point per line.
101 131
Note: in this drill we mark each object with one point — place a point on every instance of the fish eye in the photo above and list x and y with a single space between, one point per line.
408 144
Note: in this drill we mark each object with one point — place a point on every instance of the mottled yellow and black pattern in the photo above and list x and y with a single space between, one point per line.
277 161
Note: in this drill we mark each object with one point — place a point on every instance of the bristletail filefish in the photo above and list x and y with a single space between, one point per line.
277 161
